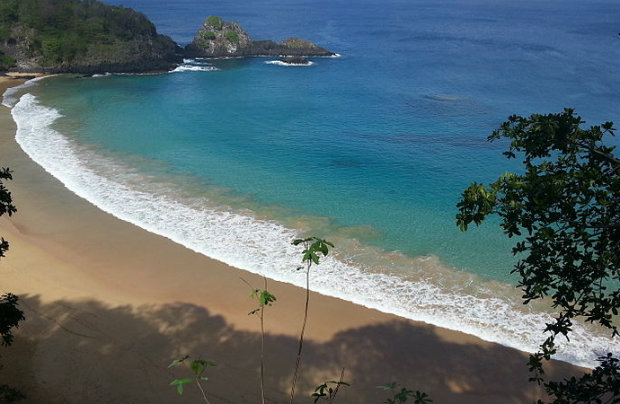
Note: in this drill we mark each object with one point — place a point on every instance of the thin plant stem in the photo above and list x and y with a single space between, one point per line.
262 341
303 329
262 350
333 397
204 395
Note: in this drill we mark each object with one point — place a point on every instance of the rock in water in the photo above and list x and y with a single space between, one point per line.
295 60
217 39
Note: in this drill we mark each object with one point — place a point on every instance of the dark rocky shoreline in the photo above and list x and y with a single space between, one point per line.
146 51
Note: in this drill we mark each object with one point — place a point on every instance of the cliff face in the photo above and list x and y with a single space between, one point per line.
217 38
72 36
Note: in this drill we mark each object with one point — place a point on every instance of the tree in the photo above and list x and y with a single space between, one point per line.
10 314
564 211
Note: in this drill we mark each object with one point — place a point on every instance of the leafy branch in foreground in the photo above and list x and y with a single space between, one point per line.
264 299
565 210
10 395
325 391
313 248
198 367
10 314
402 395
600 386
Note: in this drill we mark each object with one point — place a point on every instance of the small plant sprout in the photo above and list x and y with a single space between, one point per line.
313 246
328 390
264 299
402 395
198 367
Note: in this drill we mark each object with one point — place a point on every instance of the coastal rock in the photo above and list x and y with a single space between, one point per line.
295 60
81 37
217 39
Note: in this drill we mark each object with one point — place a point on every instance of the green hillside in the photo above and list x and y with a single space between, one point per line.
80 36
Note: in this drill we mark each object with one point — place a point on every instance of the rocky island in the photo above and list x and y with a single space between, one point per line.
88 37
217 39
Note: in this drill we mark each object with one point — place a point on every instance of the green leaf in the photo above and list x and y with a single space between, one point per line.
180 383
197 367
177 362
388 386
177 382
314 257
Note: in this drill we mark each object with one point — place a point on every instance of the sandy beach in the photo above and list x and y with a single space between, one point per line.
109 305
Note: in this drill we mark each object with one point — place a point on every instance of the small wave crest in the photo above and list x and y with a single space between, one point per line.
238 240
10 98
194 65
282 63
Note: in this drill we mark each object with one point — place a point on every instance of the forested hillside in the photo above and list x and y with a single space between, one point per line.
80 36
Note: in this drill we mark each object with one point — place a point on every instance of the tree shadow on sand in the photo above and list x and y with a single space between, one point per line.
84 351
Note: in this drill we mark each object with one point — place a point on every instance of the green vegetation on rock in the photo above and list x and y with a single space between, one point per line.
215 22
215 37
209 35
6 61
296 43
232 37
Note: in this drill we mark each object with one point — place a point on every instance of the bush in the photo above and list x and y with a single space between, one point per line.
215 22
6 61
232 37
209 35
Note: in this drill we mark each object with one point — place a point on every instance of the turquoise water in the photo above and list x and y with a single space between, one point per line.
370 150
271 136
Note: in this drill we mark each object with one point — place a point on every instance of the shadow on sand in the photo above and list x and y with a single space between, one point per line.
83 351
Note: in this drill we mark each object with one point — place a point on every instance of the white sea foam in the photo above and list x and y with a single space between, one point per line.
282 63
187 68
9 98
238 240
194 65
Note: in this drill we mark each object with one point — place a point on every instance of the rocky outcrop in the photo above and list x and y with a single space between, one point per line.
295 60
82 37
217 39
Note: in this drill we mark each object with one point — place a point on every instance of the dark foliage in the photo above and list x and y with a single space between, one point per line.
565 211
6 205
10 395
61 32
10 314
600 386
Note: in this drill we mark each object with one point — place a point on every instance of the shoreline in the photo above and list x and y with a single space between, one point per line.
99 290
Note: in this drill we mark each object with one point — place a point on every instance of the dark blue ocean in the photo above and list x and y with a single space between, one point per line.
371 150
